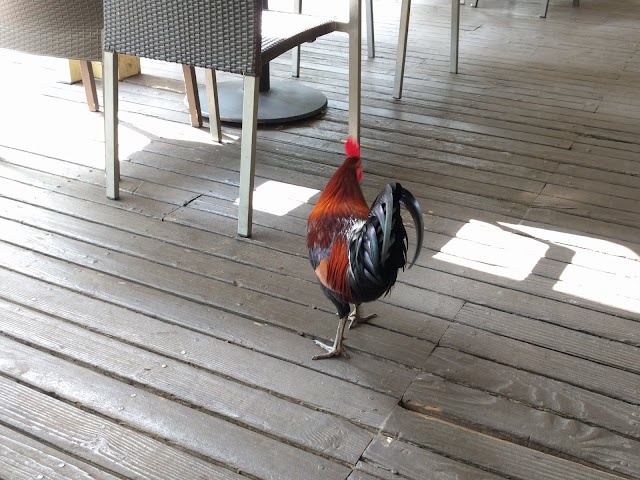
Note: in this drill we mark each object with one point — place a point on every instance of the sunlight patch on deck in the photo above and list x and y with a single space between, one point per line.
585 267
490 249
279 198
600 270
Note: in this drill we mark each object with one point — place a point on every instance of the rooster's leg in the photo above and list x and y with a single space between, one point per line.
355 319
335 349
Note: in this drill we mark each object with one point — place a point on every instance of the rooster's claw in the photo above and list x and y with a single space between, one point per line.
355 319
332 351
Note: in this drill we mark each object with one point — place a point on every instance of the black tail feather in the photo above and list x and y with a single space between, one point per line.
378 248
413 207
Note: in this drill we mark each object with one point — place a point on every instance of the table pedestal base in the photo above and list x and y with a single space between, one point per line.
283 102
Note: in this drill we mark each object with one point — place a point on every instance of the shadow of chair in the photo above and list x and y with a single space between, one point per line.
70 29
234 36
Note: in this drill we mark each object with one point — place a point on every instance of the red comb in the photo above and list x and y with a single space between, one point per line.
352 148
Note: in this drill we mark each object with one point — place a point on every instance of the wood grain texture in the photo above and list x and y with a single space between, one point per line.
23 458
101 441
199 433
229 297
401 458
537 390
515 336
228 359
256 409
531 427
614 383
484 451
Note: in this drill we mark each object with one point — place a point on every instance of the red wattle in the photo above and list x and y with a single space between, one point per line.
352 148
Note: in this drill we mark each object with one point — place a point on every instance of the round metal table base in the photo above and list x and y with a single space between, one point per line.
284 102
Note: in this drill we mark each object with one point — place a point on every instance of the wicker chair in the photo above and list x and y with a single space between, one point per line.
65 28
225 35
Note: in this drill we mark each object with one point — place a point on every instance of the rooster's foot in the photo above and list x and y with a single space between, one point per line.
332 351
336 349
355 319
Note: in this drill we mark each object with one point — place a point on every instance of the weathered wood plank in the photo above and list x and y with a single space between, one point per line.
98 440
404 459
251 408
577 344
365 371
539 391
230 360
225 296
22 458
245 252
238 448
616 212
606 322
531 427
598 181
483 451
617 384
49 298
535 140
249 252
591 227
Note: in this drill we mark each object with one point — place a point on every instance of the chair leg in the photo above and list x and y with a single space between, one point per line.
544 7
401 56
354 29
110 88
295 52
371 44
248 154
474 3
214 107
455 35
193 99
89 82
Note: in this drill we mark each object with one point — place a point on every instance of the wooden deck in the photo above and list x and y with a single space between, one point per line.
140 339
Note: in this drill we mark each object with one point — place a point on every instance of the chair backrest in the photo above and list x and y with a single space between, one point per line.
218 34
56 28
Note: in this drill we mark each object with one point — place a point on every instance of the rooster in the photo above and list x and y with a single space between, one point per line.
356 251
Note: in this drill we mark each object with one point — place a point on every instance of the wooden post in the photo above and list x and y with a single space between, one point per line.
193 99
89 83
214 106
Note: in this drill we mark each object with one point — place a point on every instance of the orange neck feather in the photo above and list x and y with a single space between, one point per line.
342 197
